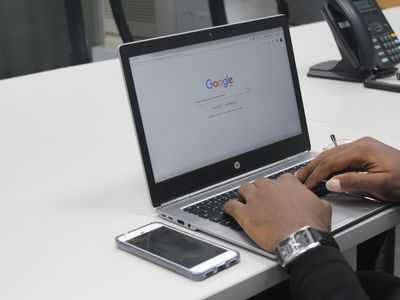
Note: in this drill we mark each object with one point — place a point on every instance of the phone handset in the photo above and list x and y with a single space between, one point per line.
351 33
365 40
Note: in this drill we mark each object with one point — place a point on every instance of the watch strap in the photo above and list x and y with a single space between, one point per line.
324 238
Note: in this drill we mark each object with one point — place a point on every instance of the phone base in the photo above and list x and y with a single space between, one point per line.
337 70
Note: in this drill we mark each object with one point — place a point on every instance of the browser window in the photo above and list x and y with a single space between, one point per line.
205 103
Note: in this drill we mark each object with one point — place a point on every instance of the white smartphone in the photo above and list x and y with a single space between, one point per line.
171 248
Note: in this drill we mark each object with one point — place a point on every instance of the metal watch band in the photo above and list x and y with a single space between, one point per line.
301 241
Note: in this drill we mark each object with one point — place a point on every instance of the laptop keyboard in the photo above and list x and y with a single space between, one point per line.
213 208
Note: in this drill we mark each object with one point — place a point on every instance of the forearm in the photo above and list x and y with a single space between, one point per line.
322 273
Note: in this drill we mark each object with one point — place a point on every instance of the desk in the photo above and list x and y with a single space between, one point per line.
71 180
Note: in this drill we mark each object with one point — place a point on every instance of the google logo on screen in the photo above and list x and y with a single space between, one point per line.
225 82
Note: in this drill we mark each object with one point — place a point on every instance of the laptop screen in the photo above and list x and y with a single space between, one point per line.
214 104
204 103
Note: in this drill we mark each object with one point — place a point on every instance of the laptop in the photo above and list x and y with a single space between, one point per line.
213 109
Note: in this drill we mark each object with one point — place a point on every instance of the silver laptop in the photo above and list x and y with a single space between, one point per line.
216 108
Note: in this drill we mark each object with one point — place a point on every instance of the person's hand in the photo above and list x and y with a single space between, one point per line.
380 163
274 209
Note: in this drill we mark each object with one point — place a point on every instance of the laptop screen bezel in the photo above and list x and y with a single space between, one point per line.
190 182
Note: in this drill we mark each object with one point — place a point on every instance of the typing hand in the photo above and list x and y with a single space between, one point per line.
381 163
276 208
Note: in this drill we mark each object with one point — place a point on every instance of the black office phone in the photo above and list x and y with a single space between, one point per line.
365 39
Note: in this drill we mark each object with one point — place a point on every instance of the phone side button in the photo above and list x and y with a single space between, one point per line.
209 273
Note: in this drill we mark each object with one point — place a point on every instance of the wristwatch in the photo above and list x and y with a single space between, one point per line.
301 241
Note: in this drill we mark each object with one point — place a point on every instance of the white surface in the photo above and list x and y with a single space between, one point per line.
71 180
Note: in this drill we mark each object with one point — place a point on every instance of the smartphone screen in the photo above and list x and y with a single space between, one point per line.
170 245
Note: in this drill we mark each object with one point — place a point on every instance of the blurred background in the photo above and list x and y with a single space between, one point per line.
47 34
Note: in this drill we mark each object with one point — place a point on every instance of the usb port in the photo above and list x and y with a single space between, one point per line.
180 222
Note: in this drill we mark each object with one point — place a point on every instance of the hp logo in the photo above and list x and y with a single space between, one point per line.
236 165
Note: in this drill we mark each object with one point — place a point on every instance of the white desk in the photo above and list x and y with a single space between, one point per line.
71 180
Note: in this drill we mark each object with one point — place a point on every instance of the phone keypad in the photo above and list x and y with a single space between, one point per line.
387 48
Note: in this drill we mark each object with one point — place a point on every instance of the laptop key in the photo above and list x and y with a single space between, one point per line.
237 227
218 218
227 223
208 207
231 222
220 209
208 214
194 210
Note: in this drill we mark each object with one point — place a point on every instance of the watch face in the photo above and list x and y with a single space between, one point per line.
303 238
296 244
286 250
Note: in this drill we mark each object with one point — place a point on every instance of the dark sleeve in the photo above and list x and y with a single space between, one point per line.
323 274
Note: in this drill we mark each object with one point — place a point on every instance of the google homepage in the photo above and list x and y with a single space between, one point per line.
206 103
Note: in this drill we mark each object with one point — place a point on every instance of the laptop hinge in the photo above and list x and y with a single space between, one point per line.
226 182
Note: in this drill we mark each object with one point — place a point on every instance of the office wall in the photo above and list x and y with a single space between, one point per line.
25 31
34 35
239 10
